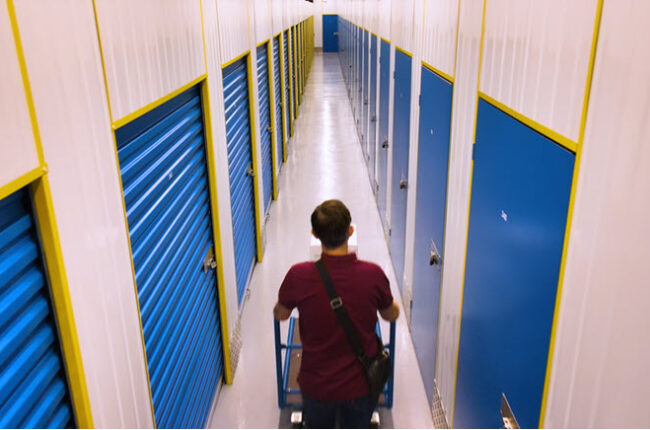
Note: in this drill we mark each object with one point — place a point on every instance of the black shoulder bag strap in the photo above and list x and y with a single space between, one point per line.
337 304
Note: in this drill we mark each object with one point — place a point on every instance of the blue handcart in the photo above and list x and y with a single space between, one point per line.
287 367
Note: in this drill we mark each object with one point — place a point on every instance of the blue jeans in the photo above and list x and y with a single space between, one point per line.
353 414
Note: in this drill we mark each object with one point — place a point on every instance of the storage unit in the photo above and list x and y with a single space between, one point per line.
372 116
294 71
278 96
241 169
330 33
428 257
520 195
266 128
34 390
168 208
365 94
399 184
383 141
288 88
359 79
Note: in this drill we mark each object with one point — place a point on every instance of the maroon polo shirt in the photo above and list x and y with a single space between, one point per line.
330 371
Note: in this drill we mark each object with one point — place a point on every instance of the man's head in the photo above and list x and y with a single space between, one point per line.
330 222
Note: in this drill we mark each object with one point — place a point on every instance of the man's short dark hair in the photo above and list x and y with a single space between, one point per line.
331 223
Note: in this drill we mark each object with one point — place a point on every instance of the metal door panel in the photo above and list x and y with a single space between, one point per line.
288 106
383 141
401 126
240 160
330 33
277 91
264 99
365 94
372 116
34 391
520 195
433 157
166 192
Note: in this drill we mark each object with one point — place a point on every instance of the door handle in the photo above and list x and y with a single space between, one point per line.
384 144
402 183
209 263
250 172
434 256
269 129
374 118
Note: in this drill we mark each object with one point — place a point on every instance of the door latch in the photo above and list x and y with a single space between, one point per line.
402 183
269 129
434 256
374 118
384 144
250 172
209 263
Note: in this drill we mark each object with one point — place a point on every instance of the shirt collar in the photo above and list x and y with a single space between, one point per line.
349 258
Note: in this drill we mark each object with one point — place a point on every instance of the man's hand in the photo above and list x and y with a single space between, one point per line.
281 313
391 313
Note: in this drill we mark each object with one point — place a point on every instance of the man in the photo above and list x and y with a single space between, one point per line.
331 379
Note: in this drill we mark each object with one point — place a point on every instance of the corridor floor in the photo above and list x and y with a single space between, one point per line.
324 161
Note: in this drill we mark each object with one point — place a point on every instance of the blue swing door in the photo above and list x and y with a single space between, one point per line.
520 197
433 156
266 128
34 390
382 142
372 116
330 33
240 170
166 192
401 128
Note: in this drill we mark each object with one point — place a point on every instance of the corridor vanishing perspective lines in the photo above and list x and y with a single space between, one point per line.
324 161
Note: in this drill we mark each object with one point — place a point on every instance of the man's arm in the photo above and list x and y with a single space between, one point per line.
391 313
280 312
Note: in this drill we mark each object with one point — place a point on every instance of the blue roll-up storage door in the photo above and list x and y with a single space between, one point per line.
330 33
520 197
166 192
294 72
266 128
359 77
277 91
382 143
240 169
33 386
399 185
372 116
431 200
288 115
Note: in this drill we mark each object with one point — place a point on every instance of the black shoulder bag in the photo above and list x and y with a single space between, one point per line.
377 368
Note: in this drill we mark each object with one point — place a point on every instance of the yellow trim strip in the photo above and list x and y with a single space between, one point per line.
237 58
258 203
50 241
542 129
51 244
214 206
274 151
283 88
403 51
469 207
438 72
20 54
572 198
262 43
385 40
22 181
151 106
126 223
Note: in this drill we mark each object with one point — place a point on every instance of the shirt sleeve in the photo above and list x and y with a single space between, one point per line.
287 294
383 291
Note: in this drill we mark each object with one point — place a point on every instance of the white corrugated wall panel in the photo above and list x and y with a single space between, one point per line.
63 59
151 48
263 20
600 374
384 11
277 16
536 55
217 115
233 26
463 127
402 24
17 144
439 38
